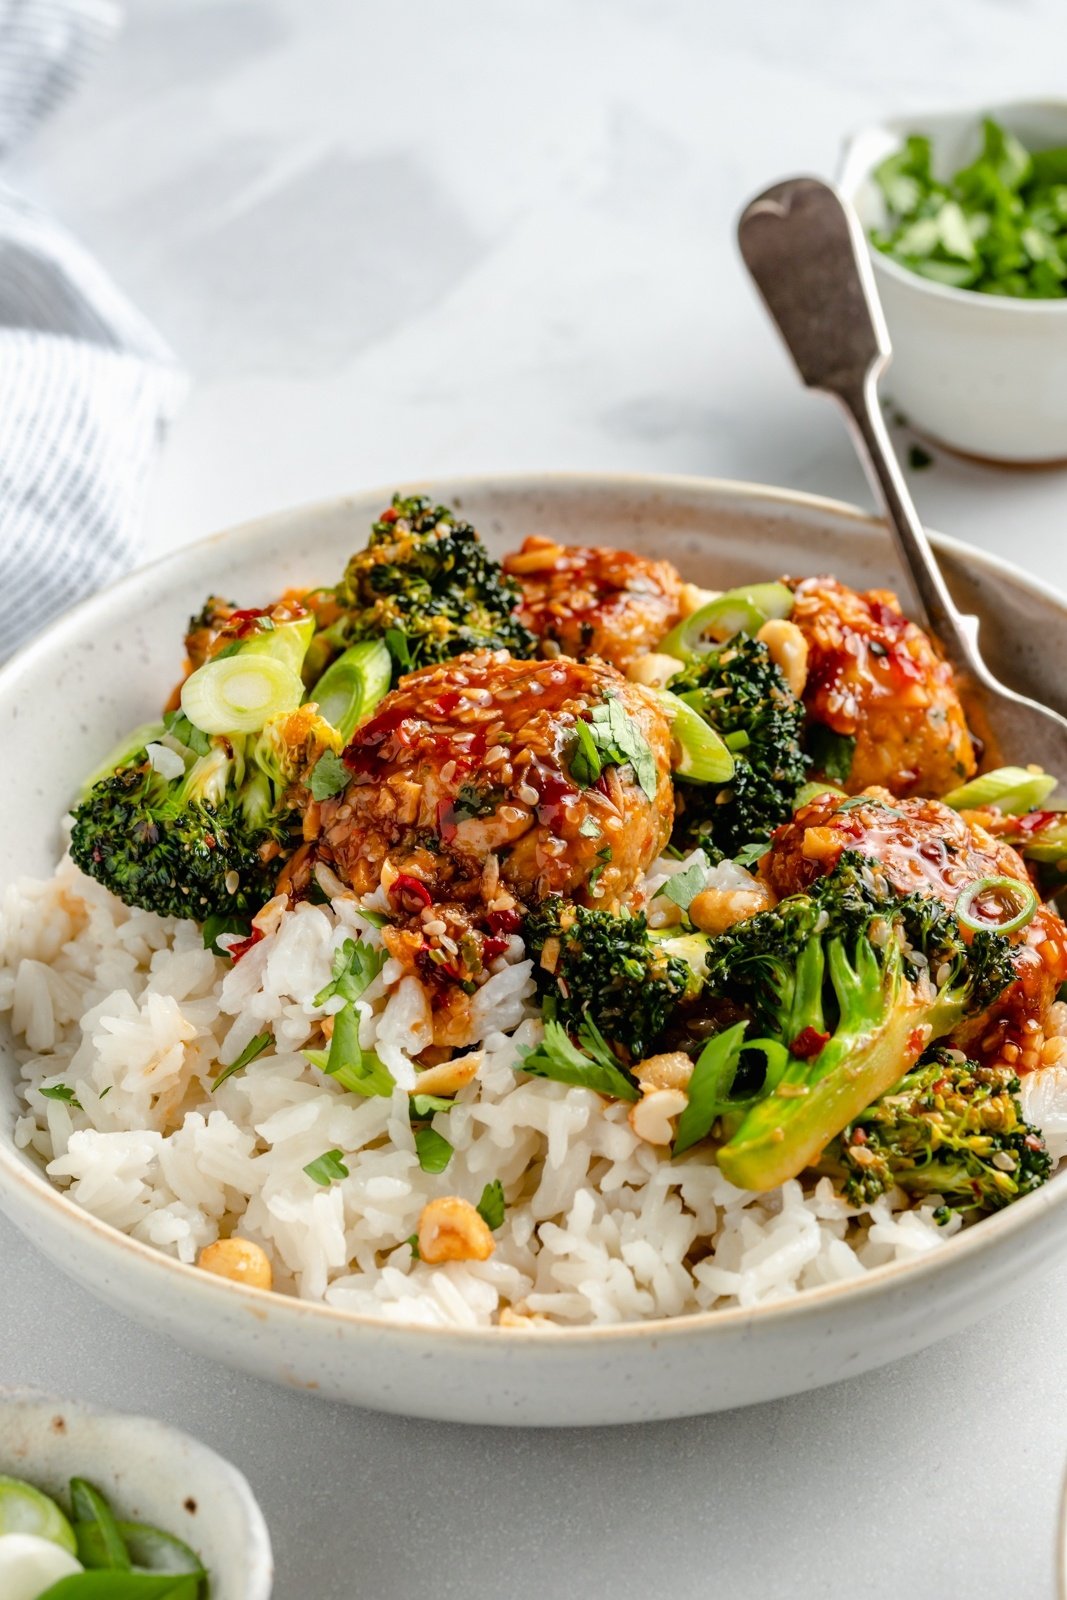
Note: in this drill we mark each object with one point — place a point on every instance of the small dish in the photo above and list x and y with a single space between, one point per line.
149 1473
984 374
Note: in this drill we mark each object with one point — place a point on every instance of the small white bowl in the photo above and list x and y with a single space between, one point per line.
983 374
149 1473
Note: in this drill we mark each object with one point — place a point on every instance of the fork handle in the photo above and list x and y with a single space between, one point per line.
955 631
806 252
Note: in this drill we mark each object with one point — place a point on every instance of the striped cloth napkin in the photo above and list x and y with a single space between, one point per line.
86 385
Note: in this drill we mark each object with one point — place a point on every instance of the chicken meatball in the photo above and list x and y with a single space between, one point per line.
545 776
925 847
593 601
875 677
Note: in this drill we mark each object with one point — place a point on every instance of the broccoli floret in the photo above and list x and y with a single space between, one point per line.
211 840
949 1128
740 691
611 970
847 984
427 585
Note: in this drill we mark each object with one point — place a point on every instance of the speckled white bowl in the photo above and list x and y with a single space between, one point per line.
983 373
104 667
149 1473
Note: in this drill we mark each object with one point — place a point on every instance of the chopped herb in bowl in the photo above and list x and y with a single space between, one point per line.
997 226
90 1554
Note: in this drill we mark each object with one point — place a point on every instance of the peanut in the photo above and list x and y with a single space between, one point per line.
239 1260
451 1229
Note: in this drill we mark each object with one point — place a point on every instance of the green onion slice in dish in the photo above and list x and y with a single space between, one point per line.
24 1509
352 686
1014 790
700 755
250 681
737 611
998 905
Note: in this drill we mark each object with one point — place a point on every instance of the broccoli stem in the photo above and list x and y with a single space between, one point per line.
883 1030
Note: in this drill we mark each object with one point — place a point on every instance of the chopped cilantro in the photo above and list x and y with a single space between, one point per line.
603 857
325 1168
255 1047
424 1105
749 854
492 1206
355 967
433 1150
831 753
611 738
998 225
62 1091
593 1066
590 828
330 776
684 885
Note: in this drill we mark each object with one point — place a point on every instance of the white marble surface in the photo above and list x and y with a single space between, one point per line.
398 241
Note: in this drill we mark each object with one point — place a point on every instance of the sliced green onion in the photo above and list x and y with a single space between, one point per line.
24 1509
149 1548
250 681
1013 789
811 791
701 756
240 694
1011 892
743 610
353 685
92 1510
711 1086
286 642
1048 844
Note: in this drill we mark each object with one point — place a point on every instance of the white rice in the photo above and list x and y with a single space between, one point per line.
132 1014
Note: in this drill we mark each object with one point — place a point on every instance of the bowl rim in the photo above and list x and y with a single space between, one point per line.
39 1195
229 1482
852 173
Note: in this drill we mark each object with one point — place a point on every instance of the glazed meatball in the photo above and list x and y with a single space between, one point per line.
592 601
875 677
925 847
473 773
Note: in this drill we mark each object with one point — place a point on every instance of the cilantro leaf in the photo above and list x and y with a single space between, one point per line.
63 1092
611 738
592 1067
492 1206
255 1047
433 1150
424 1105
997 225
749 854
329 776
682 888
831 753
325 1168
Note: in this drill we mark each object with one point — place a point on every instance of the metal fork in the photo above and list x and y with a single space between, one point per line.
806 252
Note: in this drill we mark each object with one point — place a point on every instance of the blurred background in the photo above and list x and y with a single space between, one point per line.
397 242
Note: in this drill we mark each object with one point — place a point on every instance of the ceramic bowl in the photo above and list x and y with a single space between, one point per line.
149 1473
99 672
984 374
